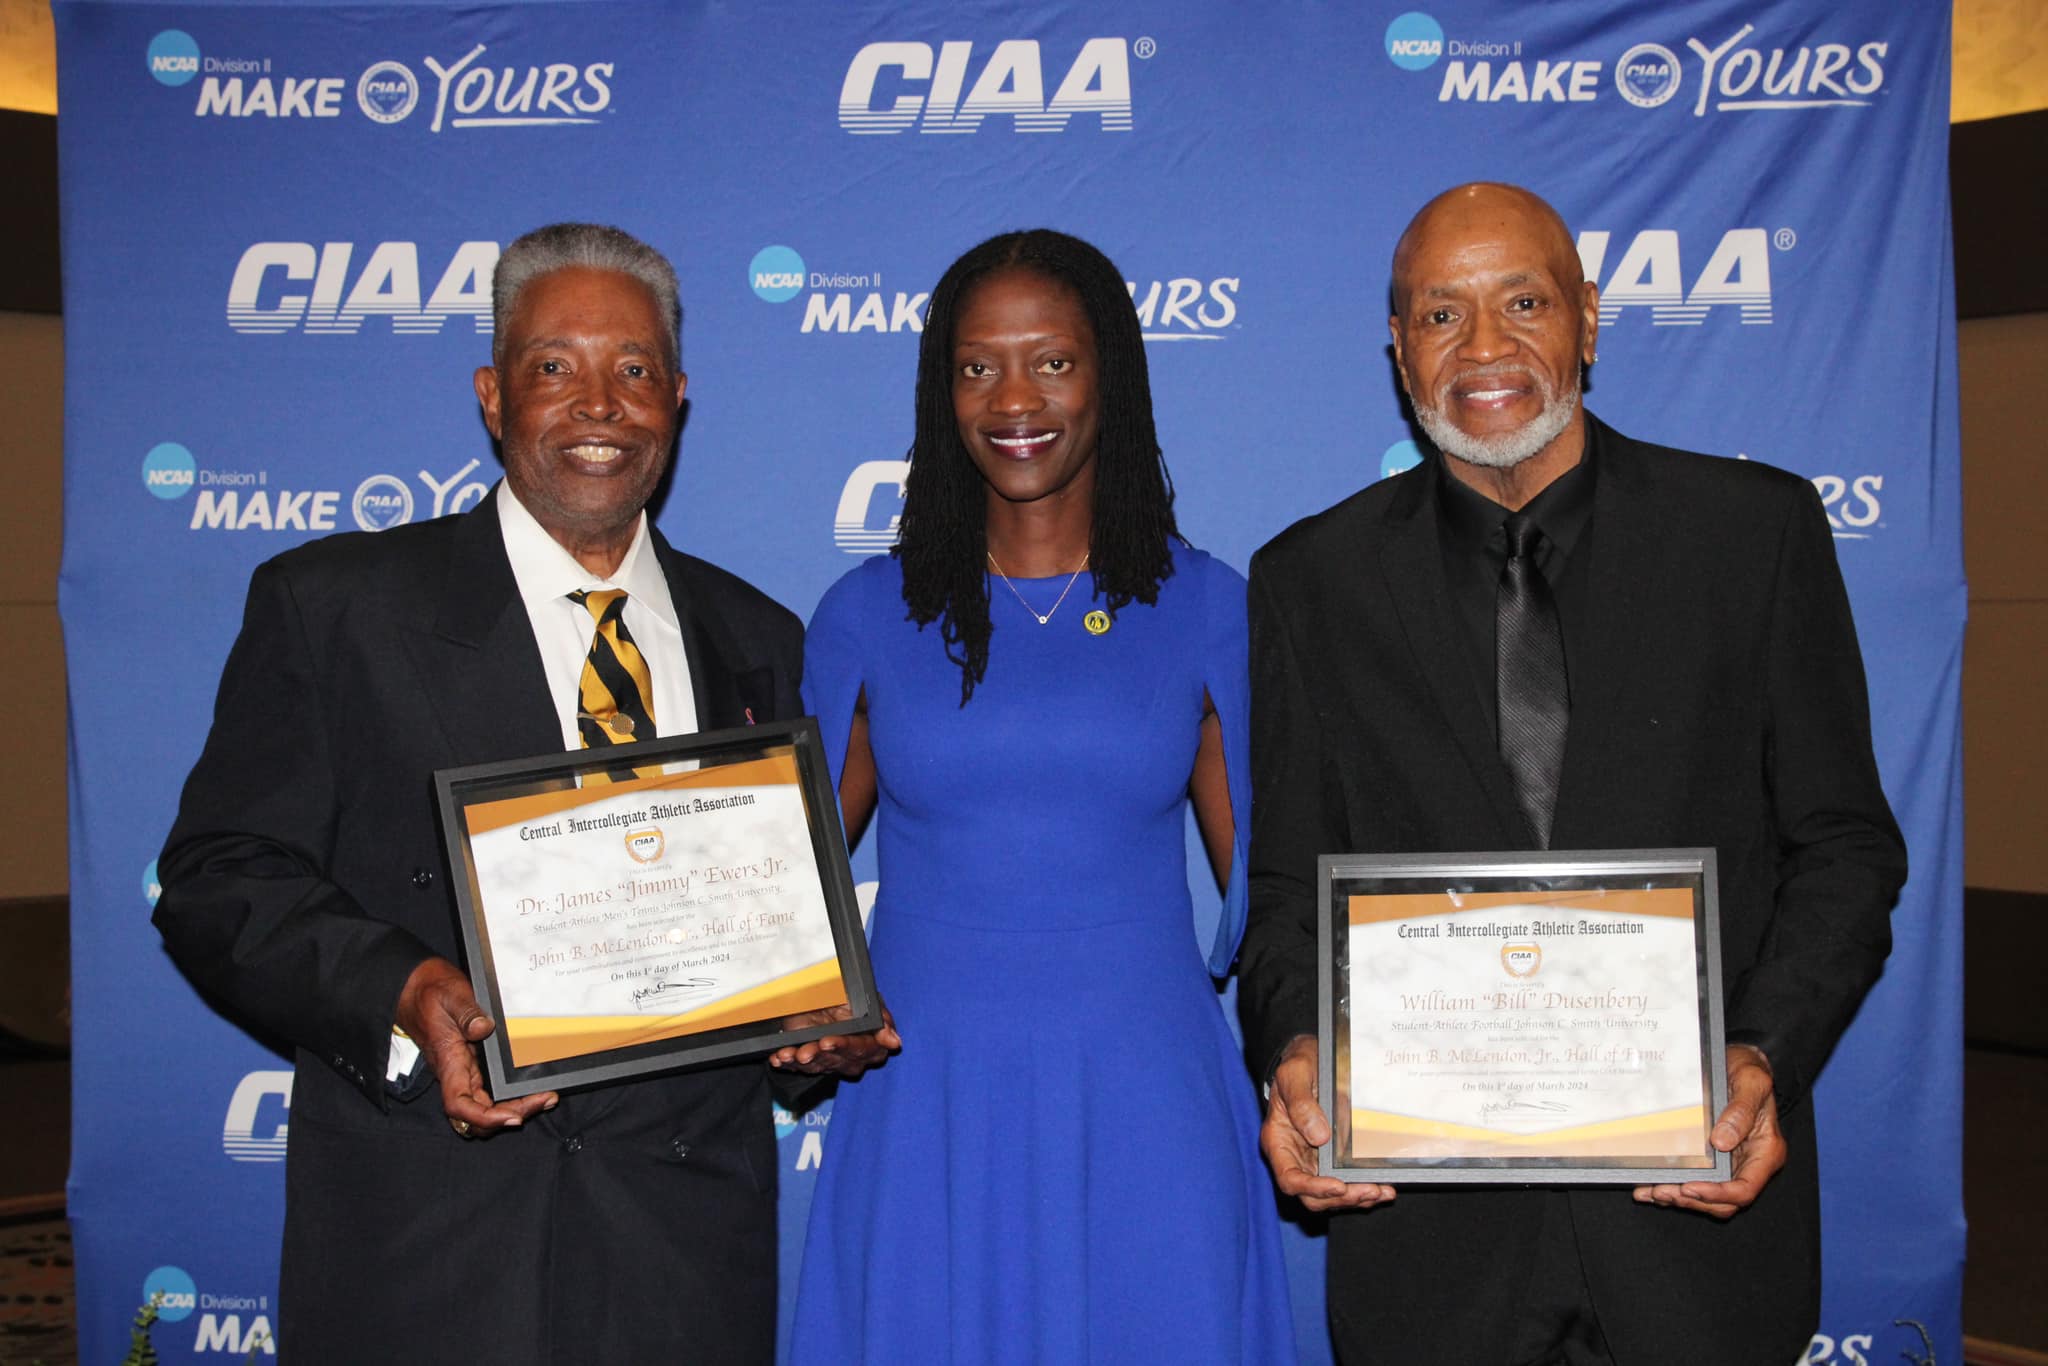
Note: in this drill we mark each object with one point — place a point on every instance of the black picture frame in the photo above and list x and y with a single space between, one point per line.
458 790
1341 877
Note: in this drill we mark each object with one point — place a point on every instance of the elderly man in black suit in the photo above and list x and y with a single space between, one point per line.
1675 666
302 882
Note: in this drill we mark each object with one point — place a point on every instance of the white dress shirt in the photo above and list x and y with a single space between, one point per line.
547 574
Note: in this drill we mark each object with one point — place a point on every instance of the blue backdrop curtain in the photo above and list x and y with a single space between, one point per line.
278 227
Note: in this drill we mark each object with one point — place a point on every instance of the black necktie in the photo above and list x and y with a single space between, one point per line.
1534 697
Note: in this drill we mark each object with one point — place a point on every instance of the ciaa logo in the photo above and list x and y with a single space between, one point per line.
387 92
1648 75
890 87
1649 272
258 1118
382 501
332 289
870 510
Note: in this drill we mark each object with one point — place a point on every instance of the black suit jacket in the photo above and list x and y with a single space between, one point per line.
1717 699
304 880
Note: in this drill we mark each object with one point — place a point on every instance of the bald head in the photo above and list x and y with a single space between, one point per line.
1487 210
1493 321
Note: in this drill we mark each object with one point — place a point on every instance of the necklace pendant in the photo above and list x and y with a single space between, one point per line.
1043 617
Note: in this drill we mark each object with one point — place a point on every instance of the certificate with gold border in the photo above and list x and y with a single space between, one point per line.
1522 1018
660 905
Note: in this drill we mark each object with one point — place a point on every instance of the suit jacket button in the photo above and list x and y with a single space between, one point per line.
573 1144
680 1148
422 878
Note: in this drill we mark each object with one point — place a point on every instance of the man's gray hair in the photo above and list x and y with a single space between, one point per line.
559 246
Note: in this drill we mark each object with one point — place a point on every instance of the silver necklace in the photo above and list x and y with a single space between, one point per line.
1045 616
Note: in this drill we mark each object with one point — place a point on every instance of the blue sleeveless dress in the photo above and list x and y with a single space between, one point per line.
1062 1165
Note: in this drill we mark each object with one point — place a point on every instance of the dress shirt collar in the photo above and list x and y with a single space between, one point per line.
1472 522
546 572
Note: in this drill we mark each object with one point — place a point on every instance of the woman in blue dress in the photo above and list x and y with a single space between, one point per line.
1031 688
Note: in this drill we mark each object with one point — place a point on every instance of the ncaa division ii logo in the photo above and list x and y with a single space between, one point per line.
169 471
173 57
776 274
1414 41
172 1291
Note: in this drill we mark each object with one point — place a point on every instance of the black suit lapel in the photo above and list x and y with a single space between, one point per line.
1628 590
481 668
727 690
1412 567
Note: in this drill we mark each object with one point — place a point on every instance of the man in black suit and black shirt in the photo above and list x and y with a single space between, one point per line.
1553 636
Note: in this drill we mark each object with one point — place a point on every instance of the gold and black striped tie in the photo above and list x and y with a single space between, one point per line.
615 701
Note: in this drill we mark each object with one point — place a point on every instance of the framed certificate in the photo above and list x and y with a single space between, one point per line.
1523 1018
625 920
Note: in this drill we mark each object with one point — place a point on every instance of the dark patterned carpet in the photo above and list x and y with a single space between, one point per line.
35 1292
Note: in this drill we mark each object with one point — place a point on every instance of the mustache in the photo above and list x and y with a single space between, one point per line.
1495 370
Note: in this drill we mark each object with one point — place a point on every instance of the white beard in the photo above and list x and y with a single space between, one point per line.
1507 449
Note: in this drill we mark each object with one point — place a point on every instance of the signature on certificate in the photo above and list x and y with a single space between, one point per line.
1524 1105
668 995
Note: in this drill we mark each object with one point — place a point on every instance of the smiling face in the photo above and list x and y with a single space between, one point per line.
583 404
1493 320
1025 387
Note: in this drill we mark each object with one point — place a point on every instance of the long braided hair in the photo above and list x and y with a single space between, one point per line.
942 539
